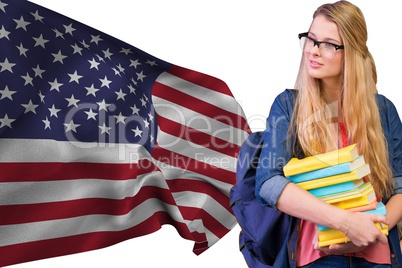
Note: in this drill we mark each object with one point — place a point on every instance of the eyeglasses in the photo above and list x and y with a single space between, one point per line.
328 50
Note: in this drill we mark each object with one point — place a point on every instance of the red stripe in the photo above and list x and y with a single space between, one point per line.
74 208
200 138
184 162
200 106
31 251
201 79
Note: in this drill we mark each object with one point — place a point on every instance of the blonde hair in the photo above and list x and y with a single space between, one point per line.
358 103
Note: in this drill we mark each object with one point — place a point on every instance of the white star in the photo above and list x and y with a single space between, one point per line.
137 132
37 16
5 121
143 102
6 66
6 93
72 101
59 57
40 41
107 54
55 85
121 69
58 33
38 71
104 129
77 49
120 118
30 107
151 117
92 90
71 126
22 50
21 23
146 123
47 123
84 44
126 51
120 95
152 63
54 111
91 114
94 64
134 63
69 28
28 79
75 77
140 76
2 6
105 82
95 39
42 97
135 109
4 33
103 105
132 89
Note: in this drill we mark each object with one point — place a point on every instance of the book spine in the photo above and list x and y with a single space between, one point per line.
320 173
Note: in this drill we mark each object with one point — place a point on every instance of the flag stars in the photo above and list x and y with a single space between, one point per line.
38 71
141 76
75 77
30 107
105 82
94 64
71 126
77 49
120 95
135 110
72 101
53 111
47 123
84 44
6 66
21 23
103 105
91 114
6 93
105 129
58 57
143 102
92 90
107 54
152 63
37 16
2 6
40 41
6 121
58 33
69 29
137 132
42 97
120 118
22 50
95 39
55 85
126 51
134 63
28 79
4 33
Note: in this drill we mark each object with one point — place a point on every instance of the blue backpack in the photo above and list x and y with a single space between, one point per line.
264 230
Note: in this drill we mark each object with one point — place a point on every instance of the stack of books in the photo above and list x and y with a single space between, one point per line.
337 177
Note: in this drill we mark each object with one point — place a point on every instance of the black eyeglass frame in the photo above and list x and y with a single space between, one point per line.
318 43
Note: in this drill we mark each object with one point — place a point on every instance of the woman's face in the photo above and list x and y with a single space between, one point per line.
318 66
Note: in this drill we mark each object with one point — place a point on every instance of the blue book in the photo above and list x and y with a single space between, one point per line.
336 188
328 171
380 210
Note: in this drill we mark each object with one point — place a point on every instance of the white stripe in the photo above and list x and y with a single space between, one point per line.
202 93
202 123
196 152
33 150
53 191
36 231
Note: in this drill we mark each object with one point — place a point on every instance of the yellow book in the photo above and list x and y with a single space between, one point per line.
340 178
359 196
334 236
314 162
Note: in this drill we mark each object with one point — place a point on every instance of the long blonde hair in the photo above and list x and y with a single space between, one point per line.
358 103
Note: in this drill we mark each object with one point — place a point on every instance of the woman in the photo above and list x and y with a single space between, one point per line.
336 90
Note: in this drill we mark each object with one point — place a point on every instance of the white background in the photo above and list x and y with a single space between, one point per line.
253 47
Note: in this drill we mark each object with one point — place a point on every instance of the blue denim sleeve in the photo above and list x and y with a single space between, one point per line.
275 153
392 126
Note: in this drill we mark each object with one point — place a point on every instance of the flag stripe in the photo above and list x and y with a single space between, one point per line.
202 106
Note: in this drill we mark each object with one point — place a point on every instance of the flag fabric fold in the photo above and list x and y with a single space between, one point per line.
101 142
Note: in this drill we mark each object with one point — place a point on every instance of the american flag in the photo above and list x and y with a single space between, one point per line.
101 142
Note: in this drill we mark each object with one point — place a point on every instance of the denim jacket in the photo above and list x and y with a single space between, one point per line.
270 180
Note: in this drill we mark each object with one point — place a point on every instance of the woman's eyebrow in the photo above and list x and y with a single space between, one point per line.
328 39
